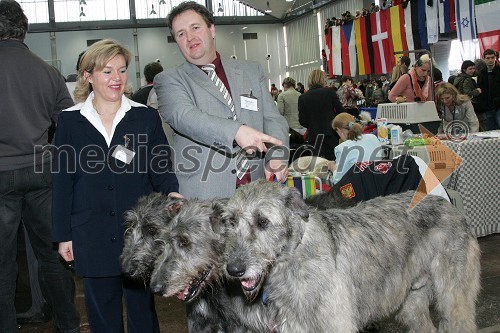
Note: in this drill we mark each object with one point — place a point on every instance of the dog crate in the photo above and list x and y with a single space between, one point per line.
438 157
408 113
307 184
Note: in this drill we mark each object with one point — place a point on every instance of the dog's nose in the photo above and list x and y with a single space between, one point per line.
156 288
236 268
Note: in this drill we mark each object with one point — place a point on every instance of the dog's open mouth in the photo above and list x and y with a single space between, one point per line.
250 284
190 291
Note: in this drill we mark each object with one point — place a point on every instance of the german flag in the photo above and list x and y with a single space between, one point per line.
364 47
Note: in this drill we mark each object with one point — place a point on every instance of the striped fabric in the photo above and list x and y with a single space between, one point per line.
241 160
397 31
362 29
306 184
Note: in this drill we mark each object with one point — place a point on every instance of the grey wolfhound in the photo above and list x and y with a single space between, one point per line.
190 267
337 270
144 223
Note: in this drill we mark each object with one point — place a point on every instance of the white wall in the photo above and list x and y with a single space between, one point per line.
152 44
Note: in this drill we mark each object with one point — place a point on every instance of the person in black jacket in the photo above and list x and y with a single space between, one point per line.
32 95
150 71
110 151
488 81
317 108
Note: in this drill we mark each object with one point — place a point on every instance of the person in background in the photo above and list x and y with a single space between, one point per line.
32 95
378 95
488 81
401 68
150 71
415 86
466 84
208 130
110 151
456 111
274 92
288 105
300 87
348 95
356 146
317 108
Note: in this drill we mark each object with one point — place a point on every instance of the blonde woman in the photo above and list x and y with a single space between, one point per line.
357 147
317 108
110 152
415 86
457 112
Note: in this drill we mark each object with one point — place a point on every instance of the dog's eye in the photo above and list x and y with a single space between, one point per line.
150 230
262 222
183 241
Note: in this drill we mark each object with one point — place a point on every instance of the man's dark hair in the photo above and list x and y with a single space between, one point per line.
190 5
466 64
405 60
489 52
13 21
345 78
151 69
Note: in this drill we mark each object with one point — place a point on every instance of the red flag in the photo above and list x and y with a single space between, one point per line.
380 39
348 45
328 50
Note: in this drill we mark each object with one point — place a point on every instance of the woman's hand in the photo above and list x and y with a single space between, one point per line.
401 99
176 195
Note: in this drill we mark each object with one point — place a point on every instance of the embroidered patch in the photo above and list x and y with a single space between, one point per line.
348 191
383 167
363 165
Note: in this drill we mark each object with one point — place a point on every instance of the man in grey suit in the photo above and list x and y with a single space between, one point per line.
208 135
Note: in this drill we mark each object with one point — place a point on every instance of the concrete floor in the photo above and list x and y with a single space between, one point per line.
173 320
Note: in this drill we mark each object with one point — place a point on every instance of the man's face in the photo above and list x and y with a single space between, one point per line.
490 60
194 38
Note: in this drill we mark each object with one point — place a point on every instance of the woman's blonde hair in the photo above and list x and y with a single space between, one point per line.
347 121
96 58
317 77
424 59
448 88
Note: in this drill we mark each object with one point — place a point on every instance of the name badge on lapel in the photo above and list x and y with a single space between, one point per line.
249 102
122 153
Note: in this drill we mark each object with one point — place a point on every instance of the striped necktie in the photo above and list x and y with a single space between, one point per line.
241 160
210 70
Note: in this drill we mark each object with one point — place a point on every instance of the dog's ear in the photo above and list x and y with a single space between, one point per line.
174 205
216 216
293 200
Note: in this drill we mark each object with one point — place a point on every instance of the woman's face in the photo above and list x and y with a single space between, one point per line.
423 71
471 70
109 82
447 99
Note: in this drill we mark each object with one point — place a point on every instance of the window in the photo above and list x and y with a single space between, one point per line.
233 8
147 9
91 10
37 11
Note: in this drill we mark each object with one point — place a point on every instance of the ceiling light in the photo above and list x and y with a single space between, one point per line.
153 12
220 10
244 28
162 2
81 12
82 2
268 9
289 0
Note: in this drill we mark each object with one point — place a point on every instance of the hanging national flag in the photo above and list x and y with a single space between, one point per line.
336 51
488 24
416 32
432 22
328 50
466 28
397 30
380 40
364 47
447 16
348 40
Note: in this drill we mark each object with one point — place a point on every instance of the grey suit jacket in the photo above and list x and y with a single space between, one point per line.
204 156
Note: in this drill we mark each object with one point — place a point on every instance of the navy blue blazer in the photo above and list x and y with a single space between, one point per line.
92 189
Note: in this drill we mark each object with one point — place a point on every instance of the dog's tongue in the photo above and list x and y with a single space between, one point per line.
182 294
248 284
